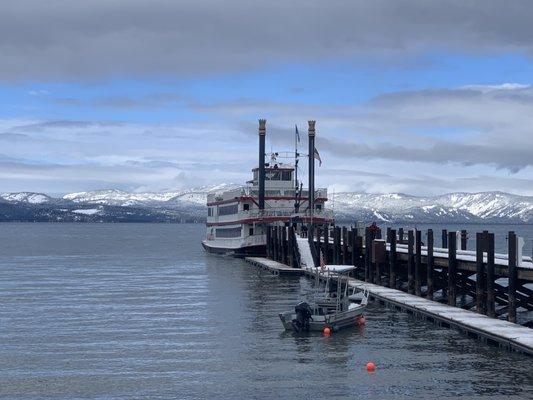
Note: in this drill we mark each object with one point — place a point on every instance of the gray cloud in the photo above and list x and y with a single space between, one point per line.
50 40
475 125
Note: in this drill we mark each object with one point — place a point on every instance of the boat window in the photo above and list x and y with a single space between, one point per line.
289 193
256 175
273 192
246 207
286 175
209 211
228 232
318 206
273 175
227 210
251 231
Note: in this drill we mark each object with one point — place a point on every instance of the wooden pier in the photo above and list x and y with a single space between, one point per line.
471 290
489 330
495 284
494 331
274 267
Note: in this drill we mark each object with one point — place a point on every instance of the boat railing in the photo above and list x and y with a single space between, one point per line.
289 212
248 191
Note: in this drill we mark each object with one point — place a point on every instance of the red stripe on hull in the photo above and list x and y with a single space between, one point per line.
242 198
268 219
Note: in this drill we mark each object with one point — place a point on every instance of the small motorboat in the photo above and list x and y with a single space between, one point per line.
331 308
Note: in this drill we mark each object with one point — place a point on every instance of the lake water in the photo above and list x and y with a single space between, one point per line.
131 311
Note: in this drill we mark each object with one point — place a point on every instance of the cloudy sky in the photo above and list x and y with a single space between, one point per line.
418 97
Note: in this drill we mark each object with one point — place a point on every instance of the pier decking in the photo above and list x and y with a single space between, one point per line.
274 267
503 333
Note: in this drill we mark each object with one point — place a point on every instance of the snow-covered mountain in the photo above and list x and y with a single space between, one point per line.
452 207
190 203
114 197
25 197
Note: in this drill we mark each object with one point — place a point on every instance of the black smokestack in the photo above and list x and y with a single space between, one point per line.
262 134
311 132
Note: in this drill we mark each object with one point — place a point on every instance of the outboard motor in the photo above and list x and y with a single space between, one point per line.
303 316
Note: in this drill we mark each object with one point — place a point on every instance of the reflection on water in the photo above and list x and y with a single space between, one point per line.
139 311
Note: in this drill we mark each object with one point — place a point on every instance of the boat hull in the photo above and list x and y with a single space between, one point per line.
246 251
335 321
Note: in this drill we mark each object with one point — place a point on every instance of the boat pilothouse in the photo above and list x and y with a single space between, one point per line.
237 218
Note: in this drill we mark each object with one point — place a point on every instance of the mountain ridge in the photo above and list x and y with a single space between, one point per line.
190 204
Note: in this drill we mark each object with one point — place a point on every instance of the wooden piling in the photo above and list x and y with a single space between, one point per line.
430 265
336 245
276 244
511 240
491 311
284 246
392 259
368 253
400 235
464 239
325 245
410 262
444 239
418 263
351 239
344 245
480 274
268 242
290 258
452 268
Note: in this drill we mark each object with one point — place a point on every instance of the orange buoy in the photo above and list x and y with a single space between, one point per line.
327 330
361 320
370 366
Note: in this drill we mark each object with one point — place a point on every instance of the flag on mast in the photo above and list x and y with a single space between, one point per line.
317 157
297 133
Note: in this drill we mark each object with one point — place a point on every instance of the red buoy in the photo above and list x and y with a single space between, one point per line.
327 330
370 366
361 320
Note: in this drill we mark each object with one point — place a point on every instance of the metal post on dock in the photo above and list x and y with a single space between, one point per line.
511 270
452 268
491 311
444 239
410 262
418 263
430 265
480 273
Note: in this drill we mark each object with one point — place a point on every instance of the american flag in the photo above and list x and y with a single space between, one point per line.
317 157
